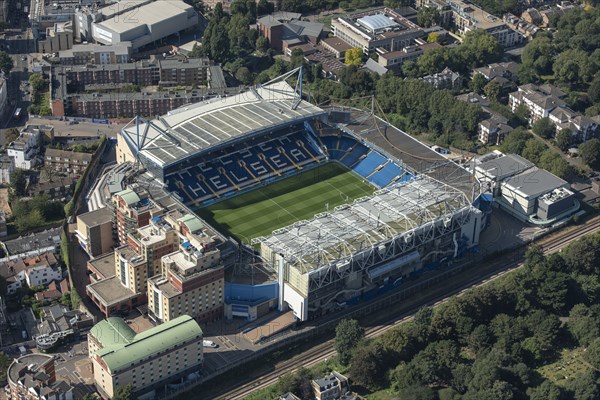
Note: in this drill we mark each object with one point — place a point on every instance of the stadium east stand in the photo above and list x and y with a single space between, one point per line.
269 159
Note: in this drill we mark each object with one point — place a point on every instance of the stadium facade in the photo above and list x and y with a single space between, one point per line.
420 214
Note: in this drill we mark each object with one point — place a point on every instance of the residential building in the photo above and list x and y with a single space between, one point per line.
525 28
539 100
92 53
380 28
120 105
492 131
95 231
124 287
505 73
33 377
42 270
283 30
447 79
167 353
192 278
532 16
56 189
56 38
7 167
466 17
166 72
330 387
546 101
152 242
26 148
133 209
393 60
67 161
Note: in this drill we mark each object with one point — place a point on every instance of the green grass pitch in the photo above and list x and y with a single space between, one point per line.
262 210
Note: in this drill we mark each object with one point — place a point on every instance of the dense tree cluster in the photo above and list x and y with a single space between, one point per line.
521 142
36 212
571 57
488 343
418 107
478 48
6 62
590 153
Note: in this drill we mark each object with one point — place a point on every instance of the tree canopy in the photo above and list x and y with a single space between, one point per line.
347 335
590 153
6 62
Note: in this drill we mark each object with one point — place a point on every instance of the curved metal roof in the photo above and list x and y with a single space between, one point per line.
376 22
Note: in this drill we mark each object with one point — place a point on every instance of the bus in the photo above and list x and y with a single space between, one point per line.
17 114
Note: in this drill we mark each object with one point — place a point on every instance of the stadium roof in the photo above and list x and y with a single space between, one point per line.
121 347
190 130
352 228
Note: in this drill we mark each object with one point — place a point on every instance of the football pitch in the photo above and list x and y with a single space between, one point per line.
262 210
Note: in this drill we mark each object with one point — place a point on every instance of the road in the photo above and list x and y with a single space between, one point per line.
401 313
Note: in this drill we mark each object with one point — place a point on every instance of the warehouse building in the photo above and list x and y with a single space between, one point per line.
148 360
144 23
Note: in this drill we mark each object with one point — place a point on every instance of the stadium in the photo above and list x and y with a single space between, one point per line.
339 204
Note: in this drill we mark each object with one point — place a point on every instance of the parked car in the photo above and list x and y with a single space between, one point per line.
209 343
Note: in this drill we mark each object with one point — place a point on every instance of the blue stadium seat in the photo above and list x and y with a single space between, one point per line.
368 164
386 175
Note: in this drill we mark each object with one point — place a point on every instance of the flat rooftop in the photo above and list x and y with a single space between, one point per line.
97 217
105 265
534 182
504 166
110 291
148 14
190 130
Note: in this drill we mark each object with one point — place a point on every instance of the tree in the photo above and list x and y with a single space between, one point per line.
546 391
5 362
262 44
493 90
515 141
478 82
244 75
347 335
124 393
594 90
433 37
590 153
428 17
417 393
543 127
367 365
584 323
563 139
353 56
37 83
533 150
18 182
592 354
6 63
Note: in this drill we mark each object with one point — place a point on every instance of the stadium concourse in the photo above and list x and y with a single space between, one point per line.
341 205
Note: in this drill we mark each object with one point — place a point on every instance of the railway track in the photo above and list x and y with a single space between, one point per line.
550 244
